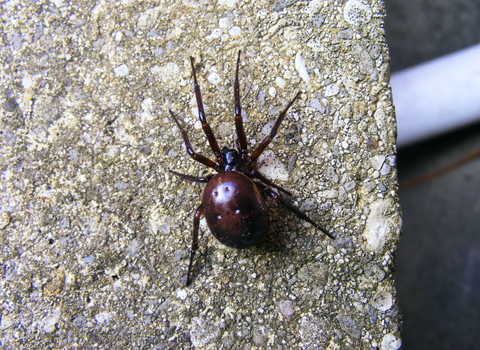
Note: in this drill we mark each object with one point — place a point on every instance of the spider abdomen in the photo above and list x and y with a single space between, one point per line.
235 210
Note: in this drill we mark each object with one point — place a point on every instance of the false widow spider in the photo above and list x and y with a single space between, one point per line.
233 203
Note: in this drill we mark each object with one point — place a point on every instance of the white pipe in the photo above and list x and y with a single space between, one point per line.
437 96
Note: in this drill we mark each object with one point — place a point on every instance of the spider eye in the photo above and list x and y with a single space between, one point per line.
231 157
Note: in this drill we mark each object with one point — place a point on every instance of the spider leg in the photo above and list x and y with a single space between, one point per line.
242 139
193 178
203 119
269 182
261 147
193 250
198 157
294 210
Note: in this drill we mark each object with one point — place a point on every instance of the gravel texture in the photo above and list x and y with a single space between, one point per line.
95 231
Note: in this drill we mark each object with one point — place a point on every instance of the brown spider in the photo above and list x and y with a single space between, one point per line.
234 204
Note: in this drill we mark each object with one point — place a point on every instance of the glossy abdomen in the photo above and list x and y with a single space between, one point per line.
236 211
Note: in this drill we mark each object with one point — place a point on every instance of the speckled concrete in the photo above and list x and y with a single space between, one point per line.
96 231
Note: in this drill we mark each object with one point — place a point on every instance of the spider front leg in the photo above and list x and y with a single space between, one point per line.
193 250
261 147
242 139
203 119
198 157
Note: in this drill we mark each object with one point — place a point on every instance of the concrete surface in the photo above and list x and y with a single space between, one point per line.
96 231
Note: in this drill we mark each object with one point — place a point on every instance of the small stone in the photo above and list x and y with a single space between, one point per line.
104 317
148 109
348 325
235 31
49 322
27 82
314 7
228 3
6 322
203 332
89 259
357 13
390 342
385 170
145 149
214 78
224 22
215 34
118 36
260 336
350 185
272 167
56 284
182 294
331 90
272 91
134 247
290 33
382 300
377 161
121 70
148 18
280 82
315 103
312 331
301 68
286 308
377 226
4 219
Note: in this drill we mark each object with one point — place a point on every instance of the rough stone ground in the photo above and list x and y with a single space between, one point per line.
95 231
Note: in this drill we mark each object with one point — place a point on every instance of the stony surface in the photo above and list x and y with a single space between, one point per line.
95 231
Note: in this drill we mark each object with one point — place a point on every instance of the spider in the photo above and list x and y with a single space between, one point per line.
233 200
